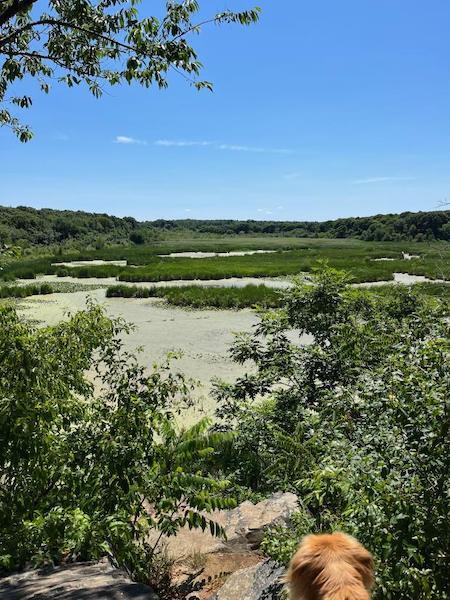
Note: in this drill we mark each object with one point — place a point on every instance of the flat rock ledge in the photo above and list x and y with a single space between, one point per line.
80 581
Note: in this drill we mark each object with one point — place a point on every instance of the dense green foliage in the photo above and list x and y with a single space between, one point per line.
46 227
87 473
196 296
392 227
97 43
30 227
356 423
22 291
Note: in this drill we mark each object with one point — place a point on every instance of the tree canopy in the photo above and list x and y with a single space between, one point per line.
31 227
96 43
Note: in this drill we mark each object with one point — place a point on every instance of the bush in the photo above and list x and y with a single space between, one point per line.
88 473
356 423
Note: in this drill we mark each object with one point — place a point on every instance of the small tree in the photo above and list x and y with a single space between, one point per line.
97 43
88 470
355 422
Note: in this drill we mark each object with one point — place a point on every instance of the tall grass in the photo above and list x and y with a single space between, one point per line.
196 296
23 291
144 264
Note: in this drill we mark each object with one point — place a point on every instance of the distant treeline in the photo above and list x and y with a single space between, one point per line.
25 226
419 226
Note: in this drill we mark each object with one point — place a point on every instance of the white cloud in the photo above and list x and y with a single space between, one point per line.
124 139
181 143
236 148
165 143
369 180
219 146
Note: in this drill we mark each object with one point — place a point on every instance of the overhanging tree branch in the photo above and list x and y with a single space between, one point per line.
14 9
98 40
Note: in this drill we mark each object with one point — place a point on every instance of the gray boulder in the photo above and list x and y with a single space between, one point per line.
261 582
82 581
244 527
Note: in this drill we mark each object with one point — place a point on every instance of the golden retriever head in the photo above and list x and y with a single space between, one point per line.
330 567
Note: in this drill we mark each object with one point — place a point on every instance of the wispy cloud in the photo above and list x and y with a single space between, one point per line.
181 143
369 180
220 146
125 139
166 143
236 148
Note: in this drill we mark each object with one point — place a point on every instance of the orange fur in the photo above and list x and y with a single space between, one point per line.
330 567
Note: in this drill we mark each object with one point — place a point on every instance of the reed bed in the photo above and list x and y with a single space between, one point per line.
203 297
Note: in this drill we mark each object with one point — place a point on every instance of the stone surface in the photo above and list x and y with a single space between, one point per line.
202 584
244 527
83 581
261 582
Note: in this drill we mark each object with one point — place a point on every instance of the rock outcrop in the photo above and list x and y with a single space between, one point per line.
261 582
244 527
81 581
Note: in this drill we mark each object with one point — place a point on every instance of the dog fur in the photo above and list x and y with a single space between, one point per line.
330 567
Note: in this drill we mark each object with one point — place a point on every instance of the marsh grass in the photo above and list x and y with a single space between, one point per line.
203 297
42 289
250 296
23 291
294 255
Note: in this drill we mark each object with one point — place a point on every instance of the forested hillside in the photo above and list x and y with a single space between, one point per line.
25 226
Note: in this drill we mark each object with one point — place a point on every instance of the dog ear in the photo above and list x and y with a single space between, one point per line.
365 566
297 567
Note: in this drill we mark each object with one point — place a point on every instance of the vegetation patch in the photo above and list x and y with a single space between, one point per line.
249 296
41 289
195 296
355 423
23 291
144 263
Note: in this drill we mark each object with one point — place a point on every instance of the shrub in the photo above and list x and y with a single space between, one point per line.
356 423
88 473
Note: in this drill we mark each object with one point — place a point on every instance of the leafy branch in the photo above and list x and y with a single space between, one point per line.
83 42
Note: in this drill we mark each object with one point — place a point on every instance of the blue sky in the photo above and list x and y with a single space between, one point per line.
324 109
